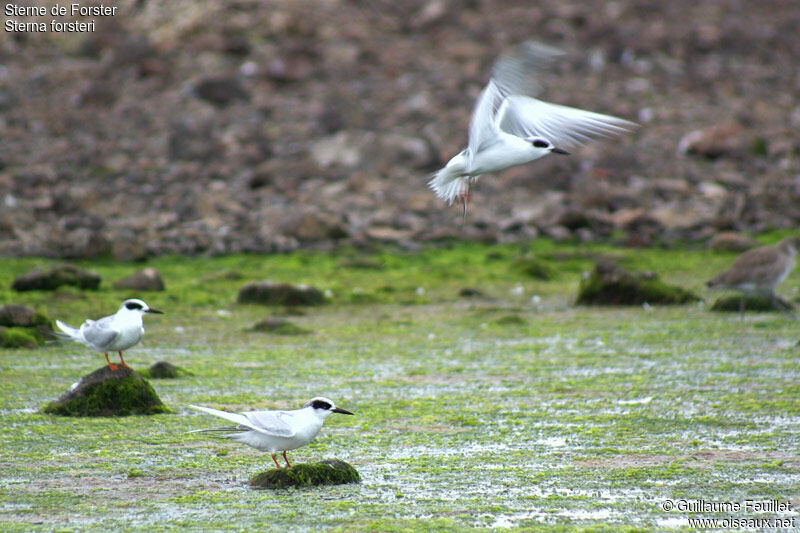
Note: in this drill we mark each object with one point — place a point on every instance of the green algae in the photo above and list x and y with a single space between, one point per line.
120 393
570 418
749 302
17 337
609 284
327 472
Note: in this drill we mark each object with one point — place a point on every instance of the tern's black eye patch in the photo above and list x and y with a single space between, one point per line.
539 143
321 404
133 306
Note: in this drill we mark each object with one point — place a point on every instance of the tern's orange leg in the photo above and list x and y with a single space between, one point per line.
110 364
286 459
276 461
121 360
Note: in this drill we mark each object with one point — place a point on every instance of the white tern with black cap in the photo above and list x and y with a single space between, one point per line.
275 431
113 333
509 127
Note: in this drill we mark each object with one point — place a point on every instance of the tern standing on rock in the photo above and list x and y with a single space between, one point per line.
275 431
759 271
509 127
113 333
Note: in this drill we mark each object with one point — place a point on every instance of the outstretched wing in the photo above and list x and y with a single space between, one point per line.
513 74
99 333
563 126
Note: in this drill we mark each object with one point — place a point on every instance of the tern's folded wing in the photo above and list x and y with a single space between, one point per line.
233 417
270 422
563 126
99 333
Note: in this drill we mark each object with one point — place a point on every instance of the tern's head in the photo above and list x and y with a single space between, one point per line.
546 146
322 407
135 305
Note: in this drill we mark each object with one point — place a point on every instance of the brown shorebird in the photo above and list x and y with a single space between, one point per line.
759 271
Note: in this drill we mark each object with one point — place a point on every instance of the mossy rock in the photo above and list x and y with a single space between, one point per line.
272 293
731 303
327 472
610 284
107 392
39 280
20 338
164 370
278 326
471 292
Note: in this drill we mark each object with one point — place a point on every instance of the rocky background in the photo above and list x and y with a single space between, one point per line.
205 127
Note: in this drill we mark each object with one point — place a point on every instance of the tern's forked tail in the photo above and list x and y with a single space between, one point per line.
450 183
69 332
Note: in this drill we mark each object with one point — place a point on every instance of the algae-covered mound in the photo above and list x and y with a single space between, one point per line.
22 326
272 293
752 302
107 392
327 472
40 280
610 284
278 326
164 370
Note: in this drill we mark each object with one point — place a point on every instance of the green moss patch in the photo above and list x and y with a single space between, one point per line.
610 284
327 472
164 370
20 338
105 392
732 303
278 326
534 267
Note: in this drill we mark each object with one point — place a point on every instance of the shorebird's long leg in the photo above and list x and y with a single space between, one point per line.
286 459
276 461
741 307
123 360
110 364
780 306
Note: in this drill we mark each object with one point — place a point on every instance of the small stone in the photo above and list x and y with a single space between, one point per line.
15 315
313 226
221 91
728 241
107 392
471 292
272 293
147 279
327 472
714 142
164 370
40 280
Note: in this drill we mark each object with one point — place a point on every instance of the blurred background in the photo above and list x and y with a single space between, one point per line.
205 127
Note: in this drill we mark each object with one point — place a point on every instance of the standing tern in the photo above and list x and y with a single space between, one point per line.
113 333
275 431
509 127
